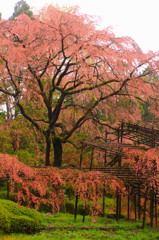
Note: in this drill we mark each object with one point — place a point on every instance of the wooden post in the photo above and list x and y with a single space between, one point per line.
8 186
92 154
151 207
156 220
144 210
119 160
104 200
76 207
153 142
105 158
105 153
122 127
120 140
81 155
84 214
135 209
128 209
139 202
117 207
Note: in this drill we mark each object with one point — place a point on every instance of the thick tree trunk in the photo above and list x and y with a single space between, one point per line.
57 145
48 150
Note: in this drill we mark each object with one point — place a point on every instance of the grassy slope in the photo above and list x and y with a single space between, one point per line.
125 230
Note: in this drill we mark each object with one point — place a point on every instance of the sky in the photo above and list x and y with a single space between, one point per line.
138 19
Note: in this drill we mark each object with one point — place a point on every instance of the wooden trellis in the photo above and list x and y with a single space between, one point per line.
114 150
145 138
139 134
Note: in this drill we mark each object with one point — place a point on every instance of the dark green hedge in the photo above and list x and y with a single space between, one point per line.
18 219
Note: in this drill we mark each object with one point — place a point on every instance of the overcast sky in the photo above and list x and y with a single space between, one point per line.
138 19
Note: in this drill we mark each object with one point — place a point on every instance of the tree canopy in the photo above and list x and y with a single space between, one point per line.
62 73
21 7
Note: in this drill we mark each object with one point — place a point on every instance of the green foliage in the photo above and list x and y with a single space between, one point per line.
3 195
147 116
18 138
5 217
21 7
5 139
18 219
45 208
82 211
8 205
69 207
26 156
2 114
23 224
124 229
32 213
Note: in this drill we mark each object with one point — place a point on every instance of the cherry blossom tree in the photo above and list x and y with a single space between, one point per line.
62 72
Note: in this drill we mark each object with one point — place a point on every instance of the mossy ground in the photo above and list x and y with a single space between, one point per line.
125 230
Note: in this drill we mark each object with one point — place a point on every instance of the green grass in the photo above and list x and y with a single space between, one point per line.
126 230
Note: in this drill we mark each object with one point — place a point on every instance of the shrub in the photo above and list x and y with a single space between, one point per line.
26 156
9 205
3 195
5 220
45 208
23 224
82 211
18 219
69 207
31 213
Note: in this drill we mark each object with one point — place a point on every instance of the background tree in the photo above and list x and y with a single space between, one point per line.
62 72
21 7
